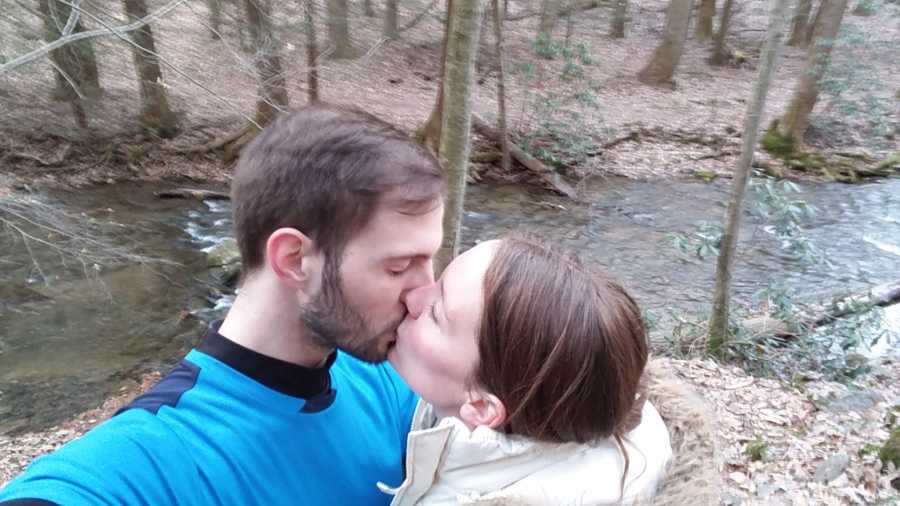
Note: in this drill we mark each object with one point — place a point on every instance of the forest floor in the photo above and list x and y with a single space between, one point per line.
799 433
569 106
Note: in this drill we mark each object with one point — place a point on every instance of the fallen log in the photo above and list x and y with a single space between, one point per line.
546 174
192 193
823 314
563 11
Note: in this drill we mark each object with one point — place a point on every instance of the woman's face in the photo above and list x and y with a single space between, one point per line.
436 349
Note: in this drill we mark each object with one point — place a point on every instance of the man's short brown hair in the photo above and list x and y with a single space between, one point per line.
324 170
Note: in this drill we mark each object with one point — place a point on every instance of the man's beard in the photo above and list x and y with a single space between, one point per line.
334 324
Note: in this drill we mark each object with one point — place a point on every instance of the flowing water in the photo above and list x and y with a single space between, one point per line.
70 333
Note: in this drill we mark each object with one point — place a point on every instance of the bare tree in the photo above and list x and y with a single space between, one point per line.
549 16
718 325
664 61
339 30
501 83
369 9
312 49
156 115
390 19
74 64
273 95
617 22
811 26
462 47
799 22
429 134
705 14
719 55
215 17
792 125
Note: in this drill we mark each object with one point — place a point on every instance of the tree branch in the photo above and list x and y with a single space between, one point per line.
75 37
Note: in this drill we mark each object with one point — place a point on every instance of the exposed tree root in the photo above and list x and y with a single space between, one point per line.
840 166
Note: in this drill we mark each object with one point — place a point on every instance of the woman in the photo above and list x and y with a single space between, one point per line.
529 366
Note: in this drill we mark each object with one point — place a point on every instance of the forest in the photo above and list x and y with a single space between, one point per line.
734 162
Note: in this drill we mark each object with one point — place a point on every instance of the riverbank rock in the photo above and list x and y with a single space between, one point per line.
855 401
224 254
832 468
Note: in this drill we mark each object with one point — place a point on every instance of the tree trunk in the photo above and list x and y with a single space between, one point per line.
664 61
811 27
369 9
273 95
215 18
75 64
390 20
792 126
339 30
549 15
501 85
312 49
429 134
719 55
798 24
156 115
617 25
705 14
718 324
462 45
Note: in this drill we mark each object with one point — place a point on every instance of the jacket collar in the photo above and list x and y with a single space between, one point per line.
429 457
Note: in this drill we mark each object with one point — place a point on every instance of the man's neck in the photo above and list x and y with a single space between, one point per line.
268 323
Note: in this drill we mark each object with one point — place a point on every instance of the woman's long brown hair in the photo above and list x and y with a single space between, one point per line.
562 345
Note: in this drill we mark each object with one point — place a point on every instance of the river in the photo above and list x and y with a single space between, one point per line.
70 333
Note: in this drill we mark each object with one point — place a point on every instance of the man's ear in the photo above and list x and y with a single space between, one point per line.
483 408
294 259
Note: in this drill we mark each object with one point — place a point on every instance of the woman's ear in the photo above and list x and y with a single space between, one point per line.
483 409
293 258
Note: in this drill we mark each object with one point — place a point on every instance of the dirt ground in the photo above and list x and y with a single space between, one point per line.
691 128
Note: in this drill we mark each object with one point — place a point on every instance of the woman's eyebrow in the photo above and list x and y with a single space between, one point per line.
443 302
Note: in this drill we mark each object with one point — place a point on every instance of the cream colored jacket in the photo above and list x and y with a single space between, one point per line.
446 463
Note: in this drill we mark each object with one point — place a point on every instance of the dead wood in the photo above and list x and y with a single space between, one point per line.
546 174
563 11
825 313
192 193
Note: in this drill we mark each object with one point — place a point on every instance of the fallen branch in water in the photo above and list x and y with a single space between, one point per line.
192 193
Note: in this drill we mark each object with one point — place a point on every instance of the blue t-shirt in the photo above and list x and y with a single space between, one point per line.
231 426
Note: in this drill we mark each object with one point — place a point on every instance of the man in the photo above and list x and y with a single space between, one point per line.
337 217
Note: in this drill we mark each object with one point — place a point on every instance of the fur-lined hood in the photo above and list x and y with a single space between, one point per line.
692 476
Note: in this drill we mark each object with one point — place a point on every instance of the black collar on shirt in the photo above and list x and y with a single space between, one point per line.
285 377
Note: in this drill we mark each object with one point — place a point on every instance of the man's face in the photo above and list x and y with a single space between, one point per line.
361 302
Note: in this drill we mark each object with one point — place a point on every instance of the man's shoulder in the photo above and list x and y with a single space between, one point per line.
131 458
